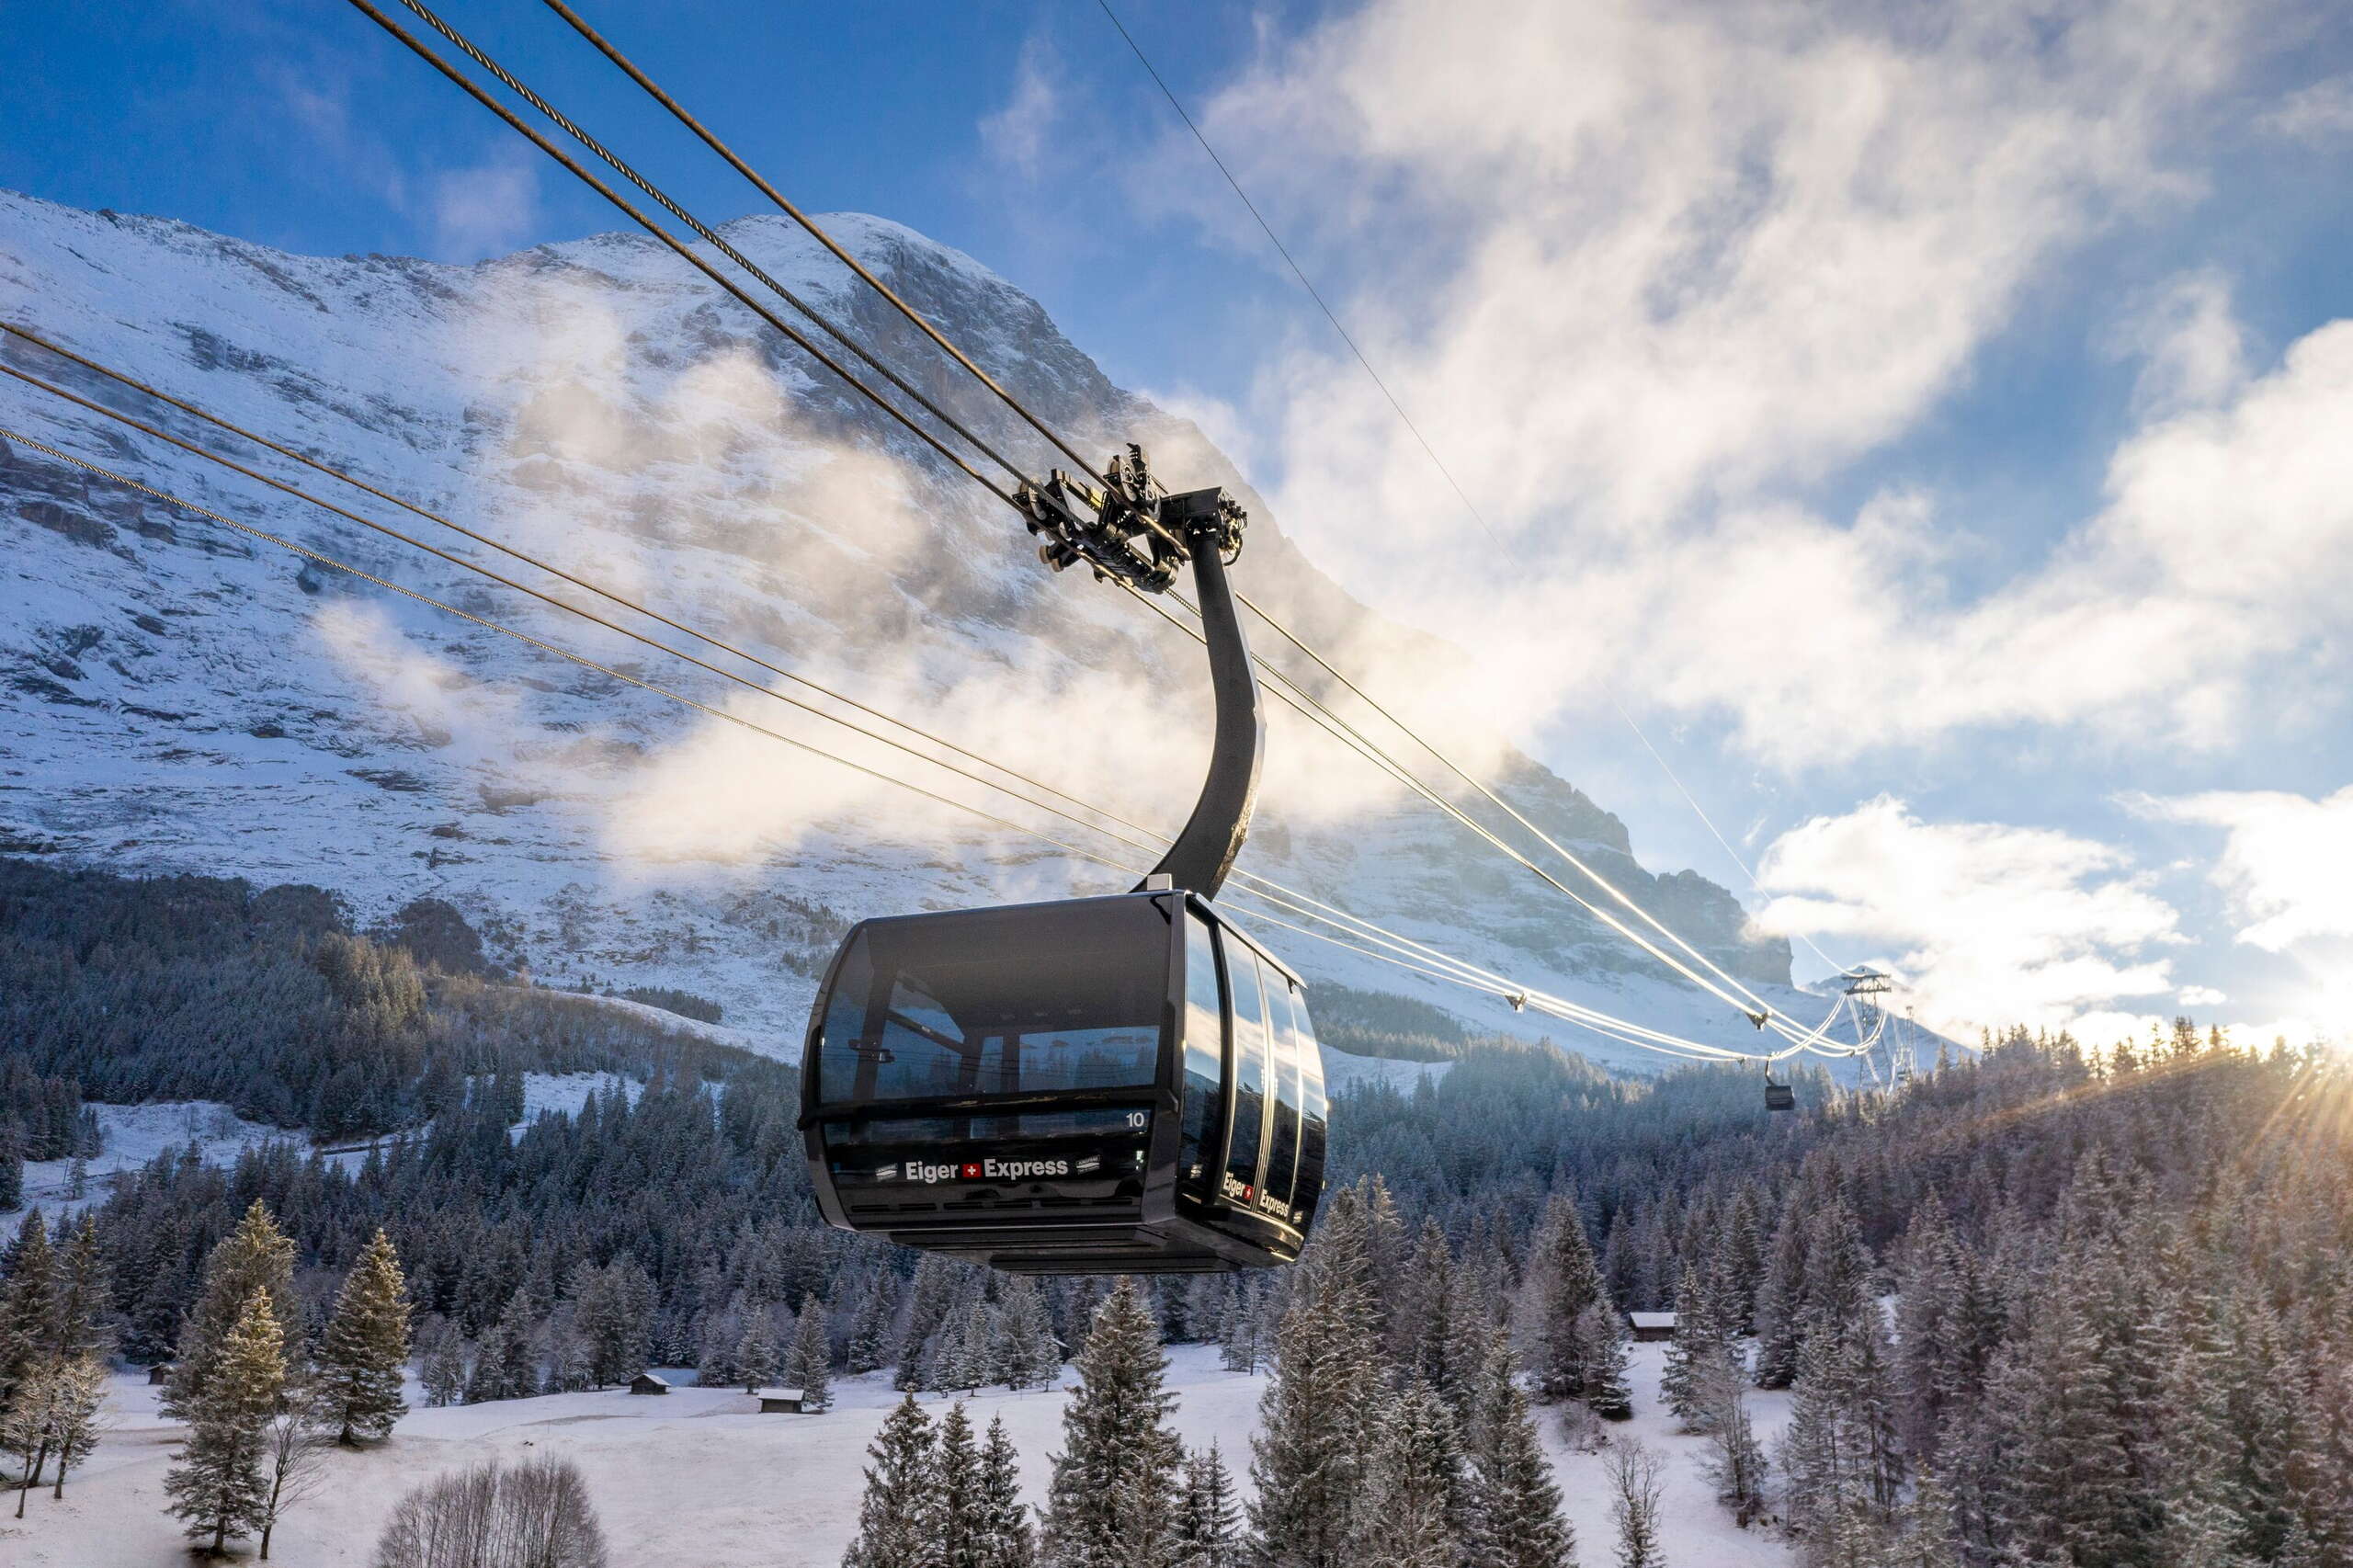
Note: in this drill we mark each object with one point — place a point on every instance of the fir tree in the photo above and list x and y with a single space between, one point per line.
27 1309
12 1169
1567 1277
956 1482
77 1393
518 1364
443 1372
1697 1345
83 1321
870 1334
1005 1540
365 1348
810 1366
898 1518
1208 1518
255 1256
757 1356
1112 1501
1412 1513
1601 1335
1026 1353
1514 1503
219 1485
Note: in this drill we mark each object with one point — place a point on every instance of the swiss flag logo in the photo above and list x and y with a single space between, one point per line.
972 1172
1247 1192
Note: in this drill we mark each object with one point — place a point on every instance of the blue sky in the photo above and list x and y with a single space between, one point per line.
1915 424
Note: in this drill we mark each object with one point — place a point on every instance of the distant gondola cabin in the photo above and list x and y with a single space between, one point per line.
646 1383
1651 1328
780 1401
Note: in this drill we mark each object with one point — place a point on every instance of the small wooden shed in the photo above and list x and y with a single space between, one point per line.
161 1373
779 1402
646 1383
1651 1328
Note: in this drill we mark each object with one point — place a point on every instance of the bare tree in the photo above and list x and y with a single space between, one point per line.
1736 1462
293 1455
77 1395
1634 1473
535 1514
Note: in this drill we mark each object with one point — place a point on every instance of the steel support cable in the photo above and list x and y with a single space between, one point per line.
1500 803
1435 460
425 51
543 645
530 560
590 616
546 647
1398 771
1467 974
710 236
759 183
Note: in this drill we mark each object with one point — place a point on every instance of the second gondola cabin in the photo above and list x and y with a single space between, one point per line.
1120 1085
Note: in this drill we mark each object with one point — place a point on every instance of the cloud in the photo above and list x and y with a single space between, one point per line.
2316 114
1986 924
1018 135
484 210
1649 273
2200 996
2287 861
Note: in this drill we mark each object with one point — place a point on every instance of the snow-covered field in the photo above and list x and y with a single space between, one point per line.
697 1479
134 1134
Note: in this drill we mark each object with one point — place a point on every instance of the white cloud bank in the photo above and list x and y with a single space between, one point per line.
1990 924
1643 271
2287 861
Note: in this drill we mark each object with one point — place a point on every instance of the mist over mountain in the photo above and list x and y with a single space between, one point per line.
177 696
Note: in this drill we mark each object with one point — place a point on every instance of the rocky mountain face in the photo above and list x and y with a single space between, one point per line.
175 695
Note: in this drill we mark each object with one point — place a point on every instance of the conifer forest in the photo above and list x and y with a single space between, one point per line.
2043 1304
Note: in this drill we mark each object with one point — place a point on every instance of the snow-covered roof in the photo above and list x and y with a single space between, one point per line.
779 1393
1651 1320
652 1378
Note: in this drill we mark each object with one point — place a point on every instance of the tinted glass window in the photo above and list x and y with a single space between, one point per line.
1249 1073
907 1130
1311 1110
1282 1136
1050 996
1204 1053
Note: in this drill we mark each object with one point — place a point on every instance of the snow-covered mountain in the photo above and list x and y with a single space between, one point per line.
174 696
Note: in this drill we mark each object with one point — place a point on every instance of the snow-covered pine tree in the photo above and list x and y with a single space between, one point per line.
256 1256
1697 1345
219 1486
1006 1539
1782 1303
1514 1504
519 1366
1566 1277
442 1370
1316 1417
356 1383
85 1319
810 1367
12 1169
1413 1511
1027 1355
969 1362
486 1373
1601 1335
757 1354
77 1393
870 1334
28 1309
956 1484
1208 1519
1112 1502
898 1518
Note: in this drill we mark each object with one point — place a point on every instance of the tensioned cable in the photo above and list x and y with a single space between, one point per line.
1602 1023
1288 898
484 540
425 51
1435 460
760 184
709 236
476 91
546 647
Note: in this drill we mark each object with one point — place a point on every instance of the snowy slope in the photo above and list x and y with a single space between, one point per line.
696 1480
174 697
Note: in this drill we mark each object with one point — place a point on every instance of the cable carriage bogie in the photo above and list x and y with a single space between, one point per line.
1124 1084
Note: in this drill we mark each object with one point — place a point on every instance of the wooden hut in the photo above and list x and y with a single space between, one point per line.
161 1373
1651 1328
646 1383
779 1402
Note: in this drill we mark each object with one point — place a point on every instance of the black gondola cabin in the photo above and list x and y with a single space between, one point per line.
1122 1084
